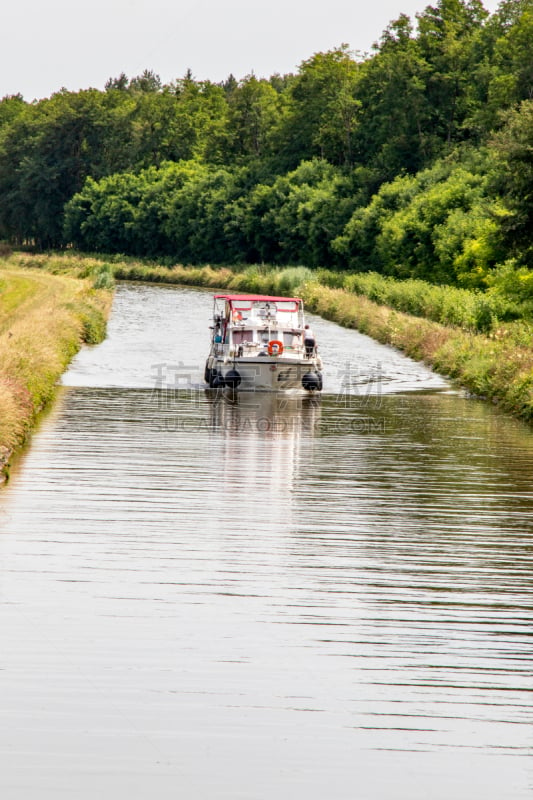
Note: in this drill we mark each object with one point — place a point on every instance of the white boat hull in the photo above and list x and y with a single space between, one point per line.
265 374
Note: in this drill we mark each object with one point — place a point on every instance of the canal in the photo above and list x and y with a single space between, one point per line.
267 598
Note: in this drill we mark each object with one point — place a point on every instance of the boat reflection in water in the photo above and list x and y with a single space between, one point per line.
268 414
259 442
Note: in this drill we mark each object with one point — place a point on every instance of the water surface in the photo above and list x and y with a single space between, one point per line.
267 598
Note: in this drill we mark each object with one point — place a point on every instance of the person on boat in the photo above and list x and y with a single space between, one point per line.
309 342
237 316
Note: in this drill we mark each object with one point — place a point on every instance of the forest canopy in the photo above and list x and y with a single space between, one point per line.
413 161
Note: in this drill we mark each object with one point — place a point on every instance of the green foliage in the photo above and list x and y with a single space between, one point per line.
199 213
322 107
295 218
254 111
442 225
448 33
513 147
413 161
470 310
104 278
94 323
502 74
394 130
514 283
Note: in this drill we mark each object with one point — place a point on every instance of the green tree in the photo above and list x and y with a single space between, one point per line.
513 147
294 219
149 81
104 215
321 117
254 111
447 34
197 211
10 108
45 156
394 131
502 74
442 225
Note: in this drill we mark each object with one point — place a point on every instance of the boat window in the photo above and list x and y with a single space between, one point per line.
266 336
241 336
241 305
265 310
287 305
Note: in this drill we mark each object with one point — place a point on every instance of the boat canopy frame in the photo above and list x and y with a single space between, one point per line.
256 298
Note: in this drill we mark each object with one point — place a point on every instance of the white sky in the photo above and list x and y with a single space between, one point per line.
48 44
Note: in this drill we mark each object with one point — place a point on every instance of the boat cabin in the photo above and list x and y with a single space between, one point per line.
251 324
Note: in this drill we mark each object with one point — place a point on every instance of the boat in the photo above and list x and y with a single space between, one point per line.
261 343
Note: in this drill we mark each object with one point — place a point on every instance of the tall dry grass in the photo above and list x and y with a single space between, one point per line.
44 319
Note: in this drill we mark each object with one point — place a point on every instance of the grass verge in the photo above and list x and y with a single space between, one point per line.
44 319
497 366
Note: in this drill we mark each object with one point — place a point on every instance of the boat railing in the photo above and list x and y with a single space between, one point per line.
247 349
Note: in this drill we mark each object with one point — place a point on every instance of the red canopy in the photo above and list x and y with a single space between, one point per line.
252 298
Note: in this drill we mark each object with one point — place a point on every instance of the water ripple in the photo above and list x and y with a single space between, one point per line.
265 598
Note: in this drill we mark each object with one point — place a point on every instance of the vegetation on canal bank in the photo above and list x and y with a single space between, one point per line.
482 340
44 319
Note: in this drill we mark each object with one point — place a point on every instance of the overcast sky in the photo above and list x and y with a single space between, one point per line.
49 44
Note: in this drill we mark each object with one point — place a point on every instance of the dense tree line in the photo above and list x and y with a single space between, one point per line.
412 161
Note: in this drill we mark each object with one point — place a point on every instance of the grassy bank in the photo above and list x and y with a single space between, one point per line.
497 366
44 319
477 339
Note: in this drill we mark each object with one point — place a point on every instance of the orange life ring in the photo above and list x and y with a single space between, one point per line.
275 343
